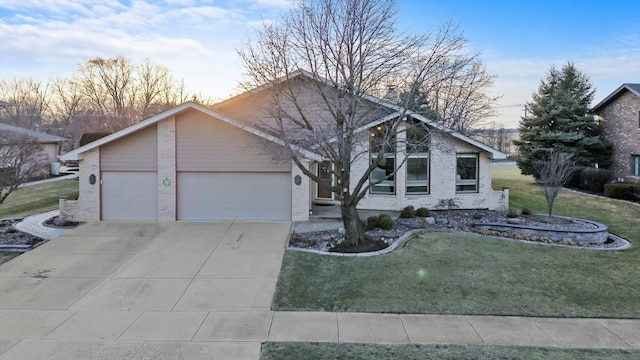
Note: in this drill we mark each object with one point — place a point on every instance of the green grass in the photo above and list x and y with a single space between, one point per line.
6 256
319 351
38 198
450 273
622 218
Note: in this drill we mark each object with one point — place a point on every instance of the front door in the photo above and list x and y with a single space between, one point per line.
324 177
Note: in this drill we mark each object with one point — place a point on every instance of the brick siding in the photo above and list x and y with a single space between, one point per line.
620 124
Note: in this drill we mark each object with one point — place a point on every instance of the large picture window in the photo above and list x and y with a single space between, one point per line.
382 153
635 165
466 173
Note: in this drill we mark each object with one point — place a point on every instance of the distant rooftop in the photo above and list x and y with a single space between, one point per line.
41 137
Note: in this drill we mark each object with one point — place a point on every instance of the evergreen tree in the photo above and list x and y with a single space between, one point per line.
559 120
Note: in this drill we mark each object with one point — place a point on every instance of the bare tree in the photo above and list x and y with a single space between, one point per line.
348 49
554 174
122 93
29 99
460 100
21 159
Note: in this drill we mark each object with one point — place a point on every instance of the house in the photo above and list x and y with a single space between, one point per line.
50 144
619 117
201 163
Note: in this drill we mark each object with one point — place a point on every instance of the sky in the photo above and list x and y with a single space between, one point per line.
518 40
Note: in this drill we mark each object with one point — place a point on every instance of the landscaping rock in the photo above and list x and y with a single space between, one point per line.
442 221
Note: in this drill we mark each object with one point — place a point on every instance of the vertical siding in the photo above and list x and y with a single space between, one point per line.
204 143
135 152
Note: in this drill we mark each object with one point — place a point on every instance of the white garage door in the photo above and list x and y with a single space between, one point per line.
206 196
129 195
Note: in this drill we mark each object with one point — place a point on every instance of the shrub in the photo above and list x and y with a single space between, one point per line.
92 136
526 211
385 222
512 213
422 212
477 216
594 179
624 191
574 179
408 212
372 222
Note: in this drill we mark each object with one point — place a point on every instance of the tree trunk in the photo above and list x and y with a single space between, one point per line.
354 232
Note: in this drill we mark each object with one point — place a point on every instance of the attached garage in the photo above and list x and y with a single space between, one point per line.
224 174
189 163
129 195
234 196
129 177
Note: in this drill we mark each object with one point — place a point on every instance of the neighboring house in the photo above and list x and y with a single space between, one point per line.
619 116
50 144
200 164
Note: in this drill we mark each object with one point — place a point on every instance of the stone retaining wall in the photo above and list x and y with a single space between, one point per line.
598 235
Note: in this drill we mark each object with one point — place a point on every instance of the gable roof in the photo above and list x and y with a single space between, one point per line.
39 136
633 88
396 111
74 154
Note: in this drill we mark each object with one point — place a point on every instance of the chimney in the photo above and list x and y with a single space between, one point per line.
392 94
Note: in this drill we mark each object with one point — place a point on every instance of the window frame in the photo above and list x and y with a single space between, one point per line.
459 183
635 165
391 182
418 183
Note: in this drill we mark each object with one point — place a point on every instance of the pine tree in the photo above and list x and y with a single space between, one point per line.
559 119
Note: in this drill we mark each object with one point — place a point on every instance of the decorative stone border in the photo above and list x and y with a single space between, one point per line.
386 250
597 236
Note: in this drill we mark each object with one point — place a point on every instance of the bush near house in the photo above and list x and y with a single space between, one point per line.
385 222
408 212
372 222
89 137
423 212
624 191
590 179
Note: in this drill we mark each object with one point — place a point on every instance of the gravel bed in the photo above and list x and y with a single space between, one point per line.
456 220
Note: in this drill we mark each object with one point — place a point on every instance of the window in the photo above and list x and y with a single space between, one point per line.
418 173
635 165
418 158
466 173
382 152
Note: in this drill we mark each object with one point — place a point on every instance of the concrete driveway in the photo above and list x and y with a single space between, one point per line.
143 291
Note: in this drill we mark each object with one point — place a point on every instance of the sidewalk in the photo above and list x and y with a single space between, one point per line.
204 290
454 329
33 225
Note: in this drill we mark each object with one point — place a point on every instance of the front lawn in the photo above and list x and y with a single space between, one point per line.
450 273
38 198
282 351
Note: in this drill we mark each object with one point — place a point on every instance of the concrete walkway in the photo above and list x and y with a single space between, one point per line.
204 290
34 225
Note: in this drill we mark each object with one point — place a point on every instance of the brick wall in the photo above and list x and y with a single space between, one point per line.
442 179
619 121
300 201
87 207
167 170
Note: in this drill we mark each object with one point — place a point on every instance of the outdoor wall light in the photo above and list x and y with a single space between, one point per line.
92 179
297 180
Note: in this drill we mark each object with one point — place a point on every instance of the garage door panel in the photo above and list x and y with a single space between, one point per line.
204 196
129 195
